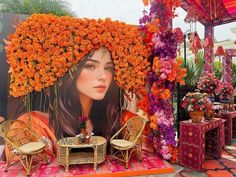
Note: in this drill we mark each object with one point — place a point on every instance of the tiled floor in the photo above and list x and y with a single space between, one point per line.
224 167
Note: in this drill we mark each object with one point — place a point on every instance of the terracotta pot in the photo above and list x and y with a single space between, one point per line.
209 115
196 116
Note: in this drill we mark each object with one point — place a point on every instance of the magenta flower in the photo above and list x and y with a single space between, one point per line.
83 118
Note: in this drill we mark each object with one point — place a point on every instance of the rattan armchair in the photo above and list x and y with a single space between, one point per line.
23 144
128 140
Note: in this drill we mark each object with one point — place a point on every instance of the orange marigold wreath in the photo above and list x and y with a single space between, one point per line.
44 47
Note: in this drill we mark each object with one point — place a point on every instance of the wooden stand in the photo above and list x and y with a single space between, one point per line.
230 126
198 140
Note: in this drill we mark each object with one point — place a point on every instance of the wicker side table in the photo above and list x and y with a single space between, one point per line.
65 157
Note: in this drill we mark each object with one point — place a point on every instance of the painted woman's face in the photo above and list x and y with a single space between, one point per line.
96 75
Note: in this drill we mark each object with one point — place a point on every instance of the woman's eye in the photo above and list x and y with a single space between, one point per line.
89 66
109 68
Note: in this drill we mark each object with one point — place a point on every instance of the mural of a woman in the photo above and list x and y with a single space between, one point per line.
77 56
88 90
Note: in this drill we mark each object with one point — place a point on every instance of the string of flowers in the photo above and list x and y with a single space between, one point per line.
195 44
166 71
44 47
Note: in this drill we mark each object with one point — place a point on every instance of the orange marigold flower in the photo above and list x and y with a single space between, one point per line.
153 123
146 2
165 94
153 27
156 64
44 47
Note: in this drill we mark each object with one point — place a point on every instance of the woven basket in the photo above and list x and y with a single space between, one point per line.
196 116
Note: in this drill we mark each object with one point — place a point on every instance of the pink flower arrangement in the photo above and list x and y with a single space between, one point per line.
224 90
196 101
208 83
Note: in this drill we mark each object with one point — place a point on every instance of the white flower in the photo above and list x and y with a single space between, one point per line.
190 108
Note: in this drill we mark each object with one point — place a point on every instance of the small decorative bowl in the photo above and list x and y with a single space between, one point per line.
84 138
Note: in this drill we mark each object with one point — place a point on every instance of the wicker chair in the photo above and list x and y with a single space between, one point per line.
122 148
23 144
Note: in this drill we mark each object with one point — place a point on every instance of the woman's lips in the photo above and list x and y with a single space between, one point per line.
100 88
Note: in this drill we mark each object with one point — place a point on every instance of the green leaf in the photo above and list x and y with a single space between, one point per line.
28 7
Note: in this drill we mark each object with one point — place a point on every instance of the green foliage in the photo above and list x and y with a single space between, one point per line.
218 69
234 75
56 7
194 70
218 72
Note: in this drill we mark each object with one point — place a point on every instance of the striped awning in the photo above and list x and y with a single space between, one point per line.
230 6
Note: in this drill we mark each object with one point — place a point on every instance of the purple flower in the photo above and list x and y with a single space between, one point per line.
168 47
145 18
151 77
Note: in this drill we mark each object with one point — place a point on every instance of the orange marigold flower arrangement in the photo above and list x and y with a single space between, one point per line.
44 47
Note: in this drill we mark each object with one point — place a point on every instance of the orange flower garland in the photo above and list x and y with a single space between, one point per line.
45 47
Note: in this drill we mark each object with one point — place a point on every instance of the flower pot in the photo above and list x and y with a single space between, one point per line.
209 115
196 116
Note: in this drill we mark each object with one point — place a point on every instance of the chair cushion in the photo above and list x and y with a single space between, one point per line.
121 143
32 147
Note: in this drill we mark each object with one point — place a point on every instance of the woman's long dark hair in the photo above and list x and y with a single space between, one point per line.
65 107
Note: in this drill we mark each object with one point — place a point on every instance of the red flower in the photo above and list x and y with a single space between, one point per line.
193 100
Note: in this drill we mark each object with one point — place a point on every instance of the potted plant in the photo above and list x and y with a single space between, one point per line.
224 91
208 83
196 104
84 137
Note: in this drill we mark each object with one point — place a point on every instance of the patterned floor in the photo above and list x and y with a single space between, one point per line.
151 164
224 167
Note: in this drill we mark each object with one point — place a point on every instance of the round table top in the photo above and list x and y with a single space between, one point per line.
75 142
